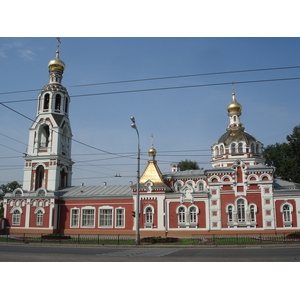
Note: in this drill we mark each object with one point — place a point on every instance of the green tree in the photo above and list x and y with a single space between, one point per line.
285 157
7 188
188 165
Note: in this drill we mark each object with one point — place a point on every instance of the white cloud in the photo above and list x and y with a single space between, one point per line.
26 54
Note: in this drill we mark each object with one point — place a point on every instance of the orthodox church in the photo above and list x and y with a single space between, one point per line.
237 194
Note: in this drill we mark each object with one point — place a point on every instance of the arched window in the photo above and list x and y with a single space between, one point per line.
16 217
178 185
233 148
193 214
252 148
222 150
230 218
66 105
57 102
149 215
181 215
44 137
252 213
217 151
257 148
201 186
240 148
39 180
63 178
46 101
286 213
39 218
241 210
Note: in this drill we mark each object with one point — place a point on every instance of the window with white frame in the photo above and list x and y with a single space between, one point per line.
241 210
16 217
286 213
74 217
105 217
240 148
120 217
201 186
233 148
252 213
39 218
193 214
230 214
149 214
88 217
181 215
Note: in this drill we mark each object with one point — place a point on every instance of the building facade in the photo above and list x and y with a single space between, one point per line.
238 194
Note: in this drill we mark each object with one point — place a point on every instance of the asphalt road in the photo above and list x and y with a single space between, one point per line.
38 253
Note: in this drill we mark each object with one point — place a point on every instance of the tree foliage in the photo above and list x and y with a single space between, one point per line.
7 188
285 157
188 165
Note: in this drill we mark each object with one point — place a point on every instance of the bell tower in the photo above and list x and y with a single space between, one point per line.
48 162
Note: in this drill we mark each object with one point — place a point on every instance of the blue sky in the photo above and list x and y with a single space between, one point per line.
182 120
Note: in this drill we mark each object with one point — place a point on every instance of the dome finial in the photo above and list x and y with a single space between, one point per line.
233 93
152 151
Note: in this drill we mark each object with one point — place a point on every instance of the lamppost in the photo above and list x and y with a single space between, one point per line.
137 212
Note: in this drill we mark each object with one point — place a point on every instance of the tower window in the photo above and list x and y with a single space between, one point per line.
39 181
44 138
57 102
46 101
66 105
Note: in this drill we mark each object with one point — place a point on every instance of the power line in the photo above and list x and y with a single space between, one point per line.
163 78
166 88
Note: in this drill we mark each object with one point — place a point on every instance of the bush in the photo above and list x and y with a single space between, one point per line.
159 239
294 235
54 236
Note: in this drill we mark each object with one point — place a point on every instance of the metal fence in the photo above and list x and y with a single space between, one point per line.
71 239
196 239
246 239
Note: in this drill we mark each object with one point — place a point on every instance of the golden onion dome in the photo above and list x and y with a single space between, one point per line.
152 152
234 106
56 63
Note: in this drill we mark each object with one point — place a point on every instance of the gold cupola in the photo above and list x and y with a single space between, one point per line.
234 107
152 152
56 63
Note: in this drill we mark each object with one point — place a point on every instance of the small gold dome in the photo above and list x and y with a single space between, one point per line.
152 152
56 63
234 106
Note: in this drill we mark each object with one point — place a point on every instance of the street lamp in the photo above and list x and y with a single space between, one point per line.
137 212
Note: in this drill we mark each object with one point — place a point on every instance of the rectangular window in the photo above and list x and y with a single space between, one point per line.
88 218
74 217
120 217
105 218
16 218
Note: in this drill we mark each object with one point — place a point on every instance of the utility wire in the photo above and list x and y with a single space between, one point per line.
162 78
165 88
